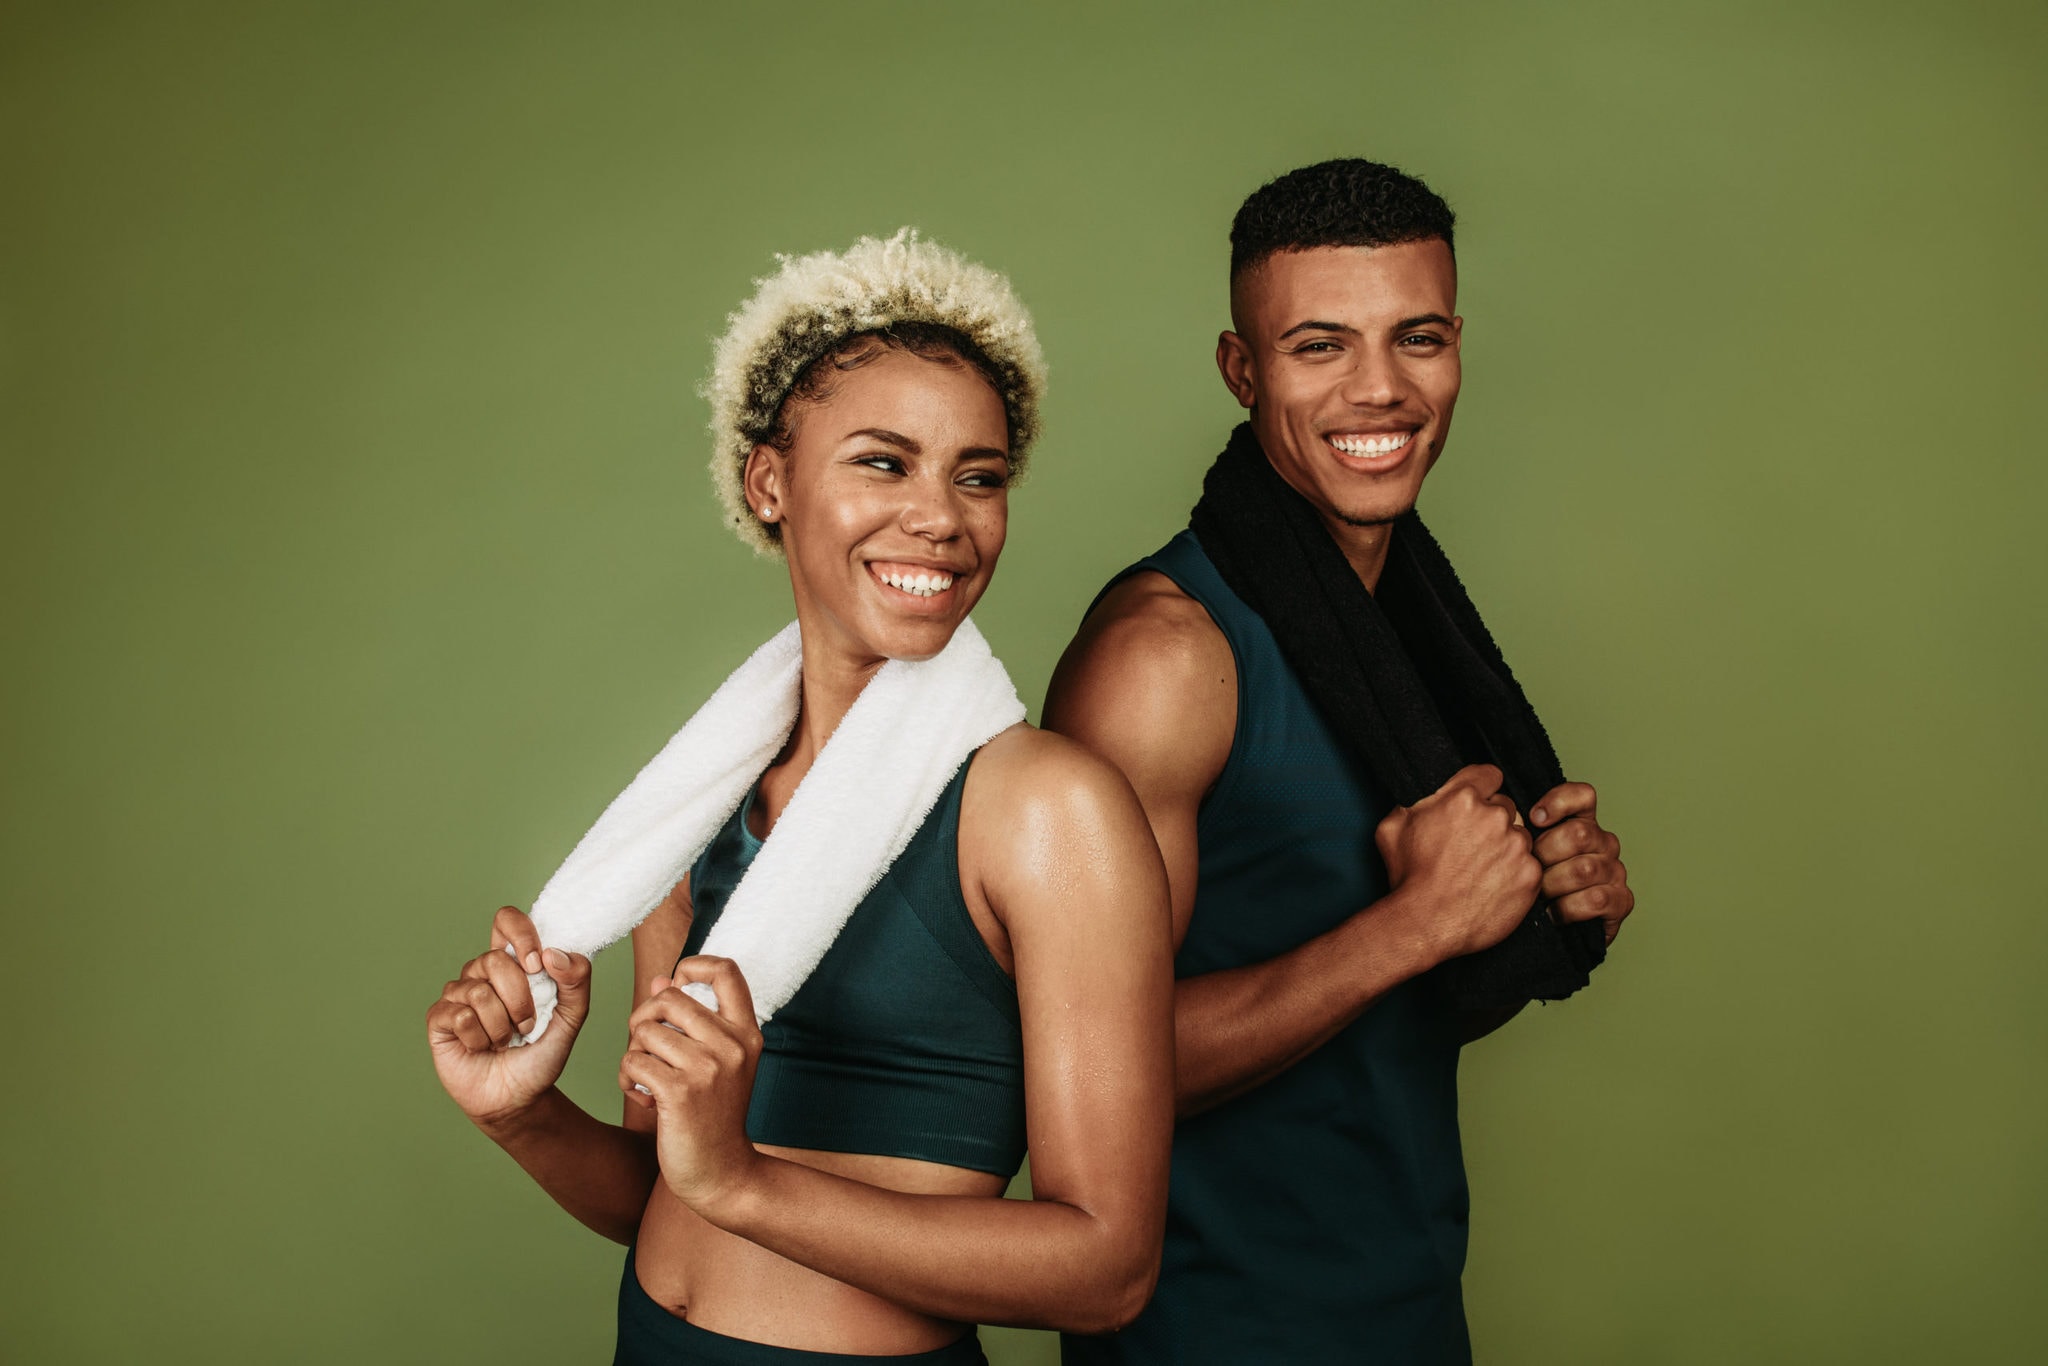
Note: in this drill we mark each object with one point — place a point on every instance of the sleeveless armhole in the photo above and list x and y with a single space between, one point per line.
1179 561
931 888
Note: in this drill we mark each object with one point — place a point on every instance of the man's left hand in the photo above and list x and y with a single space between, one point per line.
1582 870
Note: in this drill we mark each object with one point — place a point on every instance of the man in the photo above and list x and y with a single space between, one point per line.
1318 1207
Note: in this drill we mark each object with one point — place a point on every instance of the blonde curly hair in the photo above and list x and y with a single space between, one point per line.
814 304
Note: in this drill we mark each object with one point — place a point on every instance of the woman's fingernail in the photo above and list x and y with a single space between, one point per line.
556 960
1537 815
533 962
526 1026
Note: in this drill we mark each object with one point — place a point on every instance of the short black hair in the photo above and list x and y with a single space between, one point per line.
1350 202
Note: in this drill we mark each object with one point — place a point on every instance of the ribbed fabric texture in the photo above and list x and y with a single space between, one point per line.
905 1040
1319 1218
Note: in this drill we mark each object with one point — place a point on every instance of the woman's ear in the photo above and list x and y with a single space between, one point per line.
762 482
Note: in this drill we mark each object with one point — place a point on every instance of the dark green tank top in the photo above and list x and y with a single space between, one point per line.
905 1041
1319 1218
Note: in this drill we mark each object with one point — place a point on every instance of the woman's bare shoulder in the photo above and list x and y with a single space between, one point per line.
1041 809
1026 769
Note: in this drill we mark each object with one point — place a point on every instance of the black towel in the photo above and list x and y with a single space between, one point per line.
1409 679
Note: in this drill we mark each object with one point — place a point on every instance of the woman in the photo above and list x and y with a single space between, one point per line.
1010 974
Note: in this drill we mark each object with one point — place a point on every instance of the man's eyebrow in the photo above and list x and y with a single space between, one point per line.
1419 319
1314 325
883 434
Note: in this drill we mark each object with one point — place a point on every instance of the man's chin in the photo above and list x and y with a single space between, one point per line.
1365 518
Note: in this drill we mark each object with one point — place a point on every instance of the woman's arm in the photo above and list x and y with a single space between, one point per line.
1058 846
600 1173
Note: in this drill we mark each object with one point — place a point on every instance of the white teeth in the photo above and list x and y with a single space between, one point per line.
922 585
1371 445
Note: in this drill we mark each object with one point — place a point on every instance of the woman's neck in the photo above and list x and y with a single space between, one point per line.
833 677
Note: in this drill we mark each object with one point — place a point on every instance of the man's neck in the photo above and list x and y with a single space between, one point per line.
1364 546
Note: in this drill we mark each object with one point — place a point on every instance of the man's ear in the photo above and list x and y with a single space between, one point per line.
1234 363
762 482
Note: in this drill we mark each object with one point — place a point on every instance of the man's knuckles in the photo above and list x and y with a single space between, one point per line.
1567 799
1481 780
1577 906
1561 842
1587 870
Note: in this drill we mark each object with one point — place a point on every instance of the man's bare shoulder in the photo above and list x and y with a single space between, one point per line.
1148 637
1151 684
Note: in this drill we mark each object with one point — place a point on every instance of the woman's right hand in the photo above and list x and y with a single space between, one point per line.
471 1027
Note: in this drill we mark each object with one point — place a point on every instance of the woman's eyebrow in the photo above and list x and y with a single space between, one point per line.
885 435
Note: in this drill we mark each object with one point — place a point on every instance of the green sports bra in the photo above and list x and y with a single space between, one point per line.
905 1041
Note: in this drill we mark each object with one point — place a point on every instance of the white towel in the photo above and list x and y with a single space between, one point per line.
865 795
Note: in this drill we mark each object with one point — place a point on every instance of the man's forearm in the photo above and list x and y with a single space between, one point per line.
1236 1029
600 1173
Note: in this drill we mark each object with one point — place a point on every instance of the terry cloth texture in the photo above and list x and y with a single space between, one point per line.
1378 666
906 1041
866 794
651 1336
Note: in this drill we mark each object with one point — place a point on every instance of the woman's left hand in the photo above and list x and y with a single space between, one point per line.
697 1066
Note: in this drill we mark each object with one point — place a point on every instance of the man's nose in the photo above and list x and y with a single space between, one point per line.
1375 380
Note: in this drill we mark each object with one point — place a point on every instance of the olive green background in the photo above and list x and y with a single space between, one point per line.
357 547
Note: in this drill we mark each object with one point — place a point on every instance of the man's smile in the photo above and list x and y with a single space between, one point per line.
1373 451
1361 444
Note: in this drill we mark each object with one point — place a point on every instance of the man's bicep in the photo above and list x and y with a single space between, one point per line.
1150 685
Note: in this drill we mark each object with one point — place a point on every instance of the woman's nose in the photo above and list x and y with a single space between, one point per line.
932 510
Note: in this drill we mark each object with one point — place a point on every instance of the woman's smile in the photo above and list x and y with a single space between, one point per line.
923 585
892 503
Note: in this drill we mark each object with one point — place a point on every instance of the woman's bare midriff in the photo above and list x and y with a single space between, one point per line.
724 1284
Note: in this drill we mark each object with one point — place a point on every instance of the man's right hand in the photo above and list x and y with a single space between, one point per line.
471 1027
1460 862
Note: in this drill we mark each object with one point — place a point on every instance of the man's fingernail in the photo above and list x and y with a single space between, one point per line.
526 1026
556 960
1537 815
533 962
